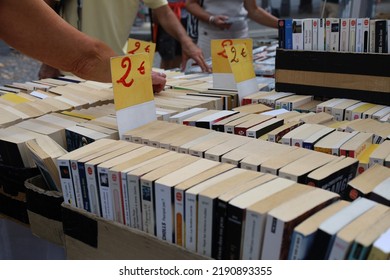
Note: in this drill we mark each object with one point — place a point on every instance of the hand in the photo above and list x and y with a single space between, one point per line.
190 50
158 81
47 71
220 22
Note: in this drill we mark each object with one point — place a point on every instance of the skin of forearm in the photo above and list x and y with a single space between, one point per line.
51 40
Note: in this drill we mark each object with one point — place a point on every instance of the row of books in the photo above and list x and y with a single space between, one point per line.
212 208
361 35
340 108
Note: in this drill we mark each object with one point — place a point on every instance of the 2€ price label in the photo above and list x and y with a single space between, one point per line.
218 53
138 46
131 80
240 62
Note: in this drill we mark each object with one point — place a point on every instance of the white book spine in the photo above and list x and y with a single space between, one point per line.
125 197
339 249
114 182
321 34
359 35
76 184
179 218
297 35
344 35
148 222
253 235
352 35
335 35
307 34
133 185
273 237
191 221
372 35
205 216
315 23
105 194
66 182
92 185
163 208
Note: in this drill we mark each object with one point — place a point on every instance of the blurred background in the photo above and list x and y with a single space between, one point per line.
16 67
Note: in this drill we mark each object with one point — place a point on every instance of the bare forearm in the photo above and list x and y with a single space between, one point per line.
260 15
194 8
40 33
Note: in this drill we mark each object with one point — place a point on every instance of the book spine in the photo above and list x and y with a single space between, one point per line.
372 36
359 35
339 249
281 33
66 182
253 235
380 42
344 35
234 225
273 237
148 221
93 189
297 34
352 35
319 249
76 183
366 34
220 231
179 218
288 34
191 214
205 226
84 187
307 34
296 247
105 194
125 198
164 212
133 183
315 23
114 181
321 34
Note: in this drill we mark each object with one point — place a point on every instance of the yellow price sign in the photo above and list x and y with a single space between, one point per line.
240 62
138 46
131 80
218 53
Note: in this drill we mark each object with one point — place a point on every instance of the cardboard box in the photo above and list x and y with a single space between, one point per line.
13 191
44 210
89 237
359 76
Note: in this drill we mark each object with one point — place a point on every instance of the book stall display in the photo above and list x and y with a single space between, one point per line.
292 163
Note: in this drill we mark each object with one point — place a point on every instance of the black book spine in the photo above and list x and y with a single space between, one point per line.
219 230
319 249
380 36
234 226
84 187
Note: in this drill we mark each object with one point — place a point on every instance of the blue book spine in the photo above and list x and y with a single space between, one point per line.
288 34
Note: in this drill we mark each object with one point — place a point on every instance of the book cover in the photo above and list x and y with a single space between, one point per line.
179 197
328 229
282 220
346 236
304 233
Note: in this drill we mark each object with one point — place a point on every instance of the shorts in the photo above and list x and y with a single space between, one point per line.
167 46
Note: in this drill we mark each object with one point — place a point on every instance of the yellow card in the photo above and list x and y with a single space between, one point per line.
135 46
240 62
131 80
219 56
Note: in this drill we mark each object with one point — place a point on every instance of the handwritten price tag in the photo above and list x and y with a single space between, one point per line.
240 62
219 56
131 80
138 46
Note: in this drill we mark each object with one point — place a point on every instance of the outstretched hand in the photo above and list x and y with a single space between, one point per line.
158 81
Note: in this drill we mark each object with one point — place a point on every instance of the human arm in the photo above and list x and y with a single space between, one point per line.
197 10
260 15
168 20
33 28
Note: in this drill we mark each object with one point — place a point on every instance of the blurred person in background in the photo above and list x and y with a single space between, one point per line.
166 45
111 22
330 9
226 19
